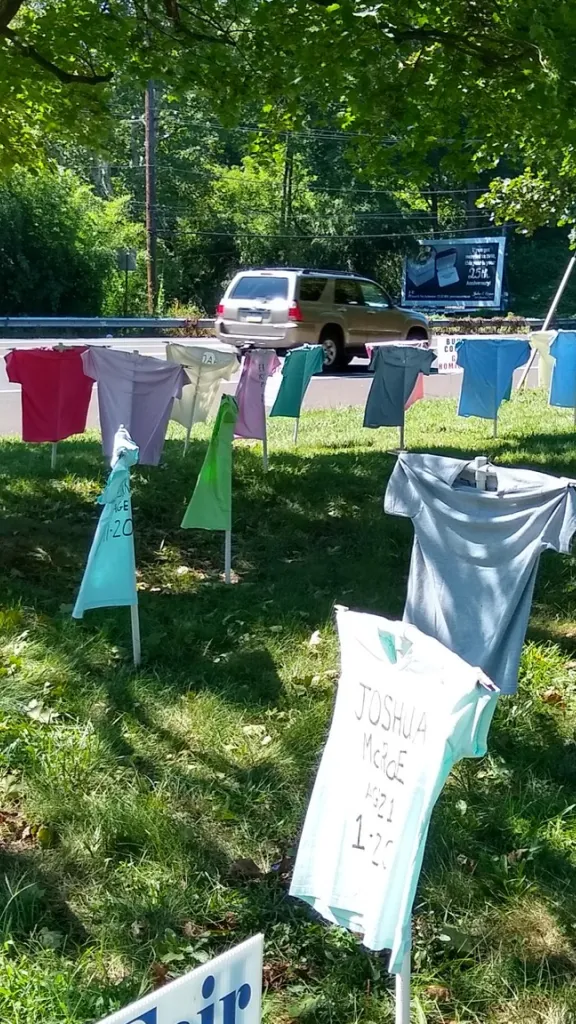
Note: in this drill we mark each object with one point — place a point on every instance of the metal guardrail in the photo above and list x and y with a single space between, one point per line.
162 323
103 322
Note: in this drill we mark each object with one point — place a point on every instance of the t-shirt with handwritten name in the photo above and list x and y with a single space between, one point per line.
406 711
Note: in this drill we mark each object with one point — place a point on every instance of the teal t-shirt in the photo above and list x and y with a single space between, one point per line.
299 367
406 711
110 574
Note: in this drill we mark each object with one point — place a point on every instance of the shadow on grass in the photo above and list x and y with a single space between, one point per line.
309 533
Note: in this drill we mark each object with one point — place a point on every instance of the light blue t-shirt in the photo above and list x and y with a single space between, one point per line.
476 553
488 365
110 575
563 386
406 711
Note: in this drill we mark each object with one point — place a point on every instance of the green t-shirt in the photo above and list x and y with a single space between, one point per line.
407 710
210 507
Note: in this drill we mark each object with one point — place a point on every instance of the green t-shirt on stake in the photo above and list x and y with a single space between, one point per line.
210 506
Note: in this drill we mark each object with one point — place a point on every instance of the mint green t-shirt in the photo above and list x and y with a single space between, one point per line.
406 711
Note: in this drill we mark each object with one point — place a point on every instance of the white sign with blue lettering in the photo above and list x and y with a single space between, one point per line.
227 990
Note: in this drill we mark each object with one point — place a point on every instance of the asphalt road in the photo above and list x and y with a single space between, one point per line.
325 392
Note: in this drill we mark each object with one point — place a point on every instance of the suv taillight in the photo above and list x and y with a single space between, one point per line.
295 313
220 309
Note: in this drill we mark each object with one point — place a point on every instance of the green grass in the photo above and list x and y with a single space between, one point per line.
128 801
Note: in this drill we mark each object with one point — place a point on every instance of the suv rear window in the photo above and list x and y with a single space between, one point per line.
311 288
260 288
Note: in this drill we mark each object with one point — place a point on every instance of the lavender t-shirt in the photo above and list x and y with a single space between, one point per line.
136 392
258 365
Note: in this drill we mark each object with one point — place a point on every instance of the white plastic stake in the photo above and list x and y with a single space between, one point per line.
265 448
187 441
481 472
549 316
135 634
402 988
401 441
53 455
228 556
296 425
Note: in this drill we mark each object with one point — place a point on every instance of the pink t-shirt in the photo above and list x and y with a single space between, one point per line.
258 365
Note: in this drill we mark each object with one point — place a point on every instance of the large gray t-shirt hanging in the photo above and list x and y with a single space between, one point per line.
476 553
396 369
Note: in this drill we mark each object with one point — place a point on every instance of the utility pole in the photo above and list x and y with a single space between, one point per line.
286 203
150 174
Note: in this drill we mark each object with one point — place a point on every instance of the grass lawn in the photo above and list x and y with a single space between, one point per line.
143 815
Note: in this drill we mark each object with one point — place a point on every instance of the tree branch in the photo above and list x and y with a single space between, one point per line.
489 51
8 10
66 77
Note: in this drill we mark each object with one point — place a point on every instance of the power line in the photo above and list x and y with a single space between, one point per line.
273 211
297 238
312 188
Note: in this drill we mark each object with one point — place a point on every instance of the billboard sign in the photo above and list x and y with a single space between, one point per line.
455 273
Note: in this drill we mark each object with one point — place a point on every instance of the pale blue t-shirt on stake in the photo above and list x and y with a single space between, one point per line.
110 575
476 553
406 711
563 384
488 365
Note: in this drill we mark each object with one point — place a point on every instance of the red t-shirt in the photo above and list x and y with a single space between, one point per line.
55 391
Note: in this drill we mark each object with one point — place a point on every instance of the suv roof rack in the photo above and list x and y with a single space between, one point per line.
314 270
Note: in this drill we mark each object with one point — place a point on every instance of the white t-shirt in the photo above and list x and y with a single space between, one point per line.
406 711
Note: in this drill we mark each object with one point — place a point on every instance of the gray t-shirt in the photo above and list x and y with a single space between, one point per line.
396 369
476 553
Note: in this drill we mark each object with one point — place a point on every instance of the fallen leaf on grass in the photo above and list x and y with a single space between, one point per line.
182 570
191 930
39 713
46 837
50 939
137 929
254 730
244 868
276 974
315 639
468 863
438 992
283 869
234 577
159 974
515 856
553 696
463 942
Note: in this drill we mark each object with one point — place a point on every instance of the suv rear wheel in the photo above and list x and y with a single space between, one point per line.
335 355
417 334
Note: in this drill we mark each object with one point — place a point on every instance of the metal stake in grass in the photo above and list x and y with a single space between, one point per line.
53 455
228 556
135 622
265 447
402 991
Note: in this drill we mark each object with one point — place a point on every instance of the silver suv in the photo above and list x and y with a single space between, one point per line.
283 307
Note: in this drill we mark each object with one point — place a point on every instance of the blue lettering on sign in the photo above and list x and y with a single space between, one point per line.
236 999
150 1017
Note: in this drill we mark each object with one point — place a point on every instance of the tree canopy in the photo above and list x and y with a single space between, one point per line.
474 82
